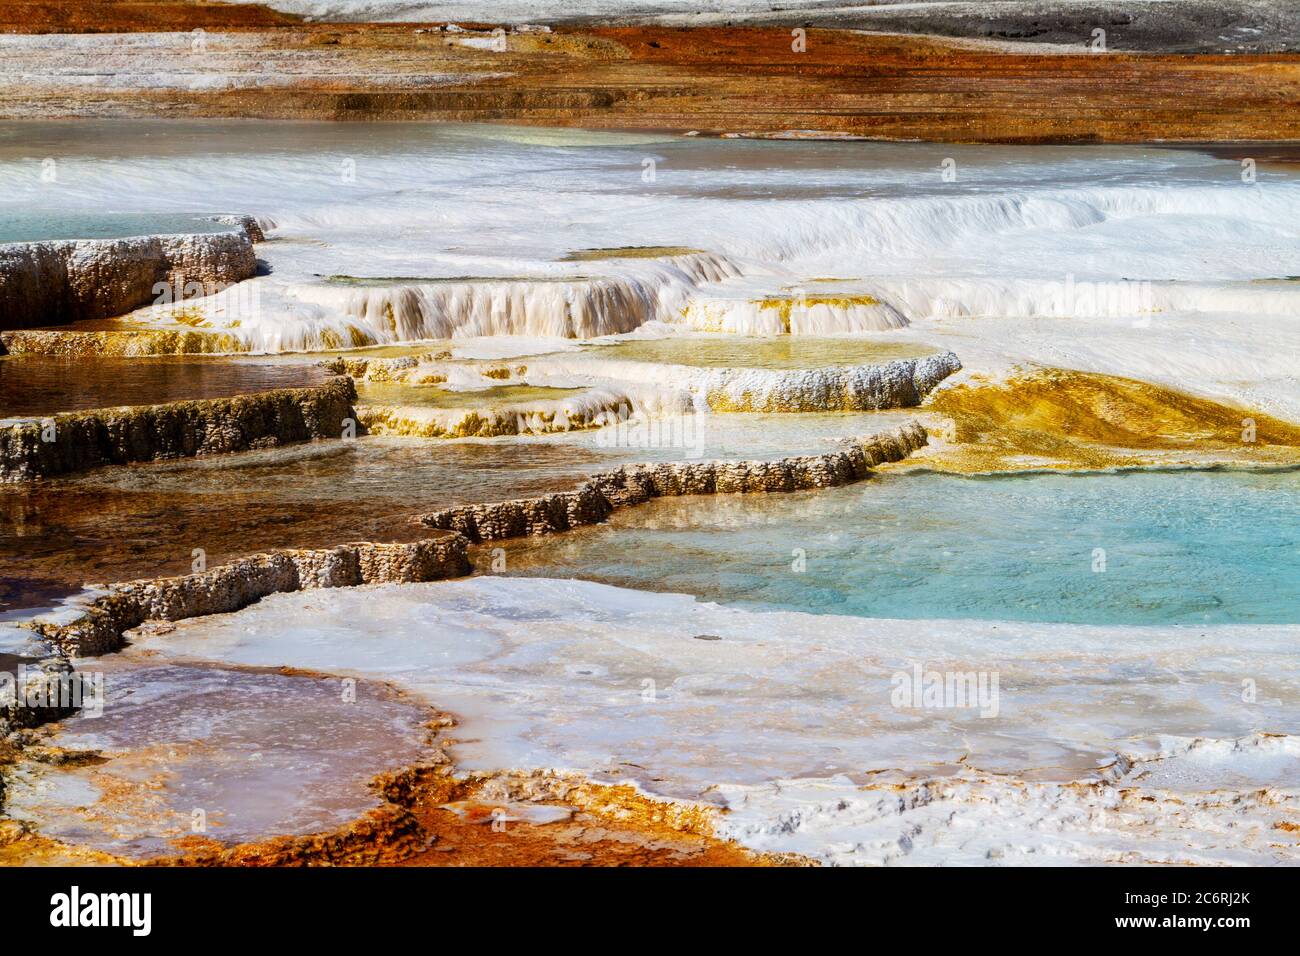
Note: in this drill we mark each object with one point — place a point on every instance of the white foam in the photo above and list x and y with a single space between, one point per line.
1085 258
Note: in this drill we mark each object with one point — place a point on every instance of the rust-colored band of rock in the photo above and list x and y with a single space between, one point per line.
115 436
600 495
737 79
55 282
240 583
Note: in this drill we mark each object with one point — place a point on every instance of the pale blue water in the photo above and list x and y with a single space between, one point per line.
1179 548
18 226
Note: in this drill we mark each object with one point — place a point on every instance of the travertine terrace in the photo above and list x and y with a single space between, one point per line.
615 432
52 283
117 436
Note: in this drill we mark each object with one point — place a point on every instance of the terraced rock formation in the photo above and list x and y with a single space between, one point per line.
903 383
600 495
80 441
98 627
52 283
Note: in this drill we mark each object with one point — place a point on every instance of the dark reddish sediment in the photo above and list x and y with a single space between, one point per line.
432 814
744 80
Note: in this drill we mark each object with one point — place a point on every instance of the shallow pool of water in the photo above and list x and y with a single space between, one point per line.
215 754
1141 548
38 227
785 352
116 524
43 385
430 396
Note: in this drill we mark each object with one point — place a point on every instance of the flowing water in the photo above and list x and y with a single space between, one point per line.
1130 638
1114 238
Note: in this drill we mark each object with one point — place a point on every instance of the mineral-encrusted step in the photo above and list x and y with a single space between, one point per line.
55 282
83 440
600 495
99 628
903 383
118 342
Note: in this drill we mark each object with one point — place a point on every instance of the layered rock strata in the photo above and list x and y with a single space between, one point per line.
743 80
52 283
240 583
84 440
602 494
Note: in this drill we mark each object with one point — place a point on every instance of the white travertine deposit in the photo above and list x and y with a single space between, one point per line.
61 281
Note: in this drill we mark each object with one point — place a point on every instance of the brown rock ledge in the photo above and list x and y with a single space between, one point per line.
116 436
600 495
241 583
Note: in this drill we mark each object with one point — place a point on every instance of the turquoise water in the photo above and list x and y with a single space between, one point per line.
1175 548
33 227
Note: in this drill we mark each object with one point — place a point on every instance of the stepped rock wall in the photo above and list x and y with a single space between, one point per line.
117 436
56 282
602 494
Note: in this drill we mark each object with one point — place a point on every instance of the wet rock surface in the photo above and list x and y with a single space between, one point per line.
598 497
52 283
240 583
84 440
42 675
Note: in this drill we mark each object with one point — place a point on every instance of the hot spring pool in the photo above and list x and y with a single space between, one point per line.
1137 548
